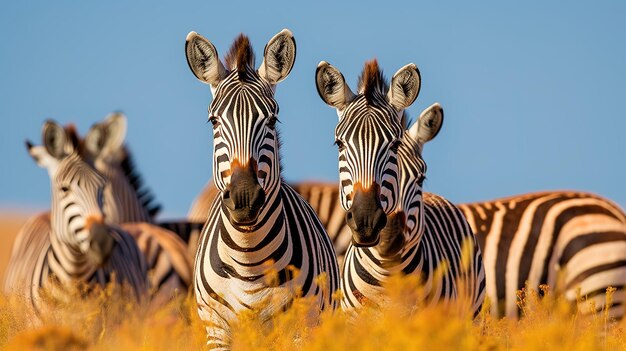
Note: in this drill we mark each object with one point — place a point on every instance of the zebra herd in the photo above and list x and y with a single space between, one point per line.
314 238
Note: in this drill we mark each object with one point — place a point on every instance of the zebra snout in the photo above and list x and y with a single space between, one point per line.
101 243
392 236
366 217
243 197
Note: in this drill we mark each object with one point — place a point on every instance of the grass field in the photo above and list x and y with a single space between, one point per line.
106 320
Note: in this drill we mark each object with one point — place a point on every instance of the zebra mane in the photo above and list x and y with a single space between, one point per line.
240 56
72 135
406 121
144 194
372 82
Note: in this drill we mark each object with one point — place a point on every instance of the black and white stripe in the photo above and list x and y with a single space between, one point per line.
566 239
251 254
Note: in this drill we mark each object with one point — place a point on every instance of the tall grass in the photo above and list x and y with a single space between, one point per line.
105 320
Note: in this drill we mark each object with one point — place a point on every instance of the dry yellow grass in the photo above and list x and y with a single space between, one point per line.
106 321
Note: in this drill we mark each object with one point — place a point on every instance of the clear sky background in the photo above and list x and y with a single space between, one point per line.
533 92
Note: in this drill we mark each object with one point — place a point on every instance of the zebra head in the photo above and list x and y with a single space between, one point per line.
243 113
368 135
77 190
104 146
405 225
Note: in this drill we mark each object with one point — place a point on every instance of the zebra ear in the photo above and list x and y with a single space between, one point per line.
427 125
332 87
278 57
106 138
203 60
40 155
55 140
405 86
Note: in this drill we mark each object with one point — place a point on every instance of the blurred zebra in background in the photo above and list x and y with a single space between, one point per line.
394 229
128 204
80 247
258 223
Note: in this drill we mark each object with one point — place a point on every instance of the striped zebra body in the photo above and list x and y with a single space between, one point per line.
290 249
568 240
394 229
80 248
262 245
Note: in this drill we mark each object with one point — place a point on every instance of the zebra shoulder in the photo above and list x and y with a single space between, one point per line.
302 205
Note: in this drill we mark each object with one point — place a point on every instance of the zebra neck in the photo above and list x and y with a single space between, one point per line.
68 263
122 203
252 245
406 263
415 237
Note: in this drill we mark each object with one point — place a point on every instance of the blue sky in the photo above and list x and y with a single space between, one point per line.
533 92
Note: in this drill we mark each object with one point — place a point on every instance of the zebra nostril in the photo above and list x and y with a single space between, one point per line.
349 215
226 195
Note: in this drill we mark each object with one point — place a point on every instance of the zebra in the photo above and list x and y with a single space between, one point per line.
80 247
128 205
394 231
258 223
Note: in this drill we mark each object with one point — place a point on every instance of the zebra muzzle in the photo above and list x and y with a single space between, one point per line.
392 236
243 197
101 243
366 217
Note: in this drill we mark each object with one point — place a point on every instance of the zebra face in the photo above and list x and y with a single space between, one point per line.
368 135
77 190
246 166
243 114
406 223
367 140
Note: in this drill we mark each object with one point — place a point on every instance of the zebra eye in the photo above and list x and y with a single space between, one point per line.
271 121
65 188
339 144
395 145
213 120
